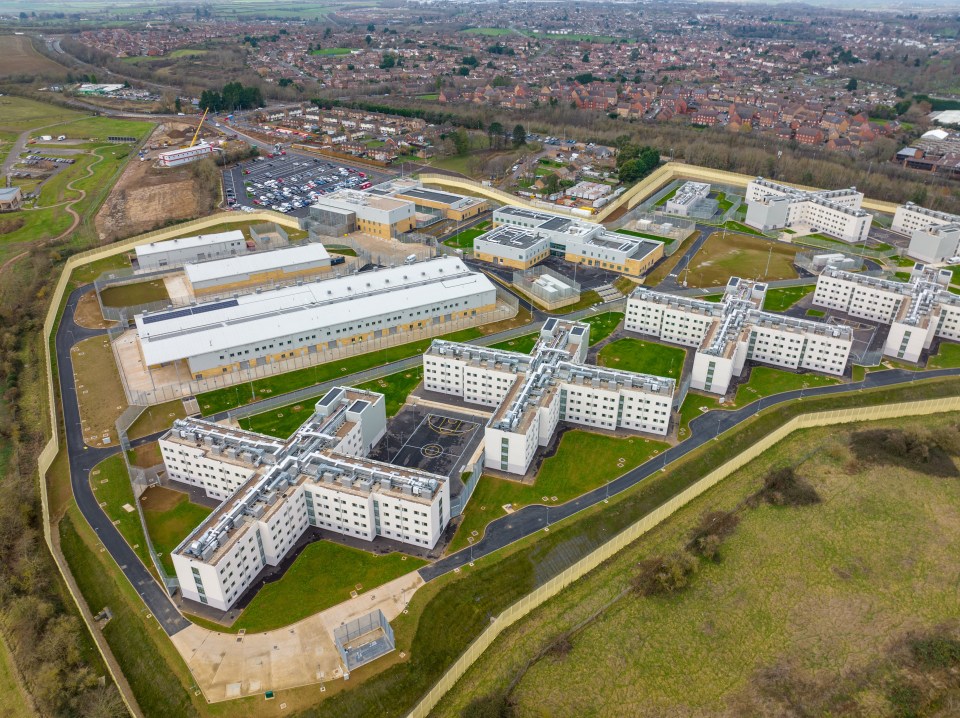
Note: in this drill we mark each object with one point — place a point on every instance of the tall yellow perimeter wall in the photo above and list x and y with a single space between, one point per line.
663 175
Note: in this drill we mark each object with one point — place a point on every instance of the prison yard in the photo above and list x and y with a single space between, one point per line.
728 254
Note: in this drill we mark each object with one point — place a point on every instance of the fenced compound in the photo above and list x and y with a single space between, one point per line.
561 574
146 387
551 289
816 262
658 224
835 245
363 640
269 235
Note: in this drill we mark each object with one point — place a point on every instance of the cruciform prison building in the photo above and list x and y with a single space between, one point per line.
728 333
274 491
533 392
771 205
217 337
917 311
934 236
524 237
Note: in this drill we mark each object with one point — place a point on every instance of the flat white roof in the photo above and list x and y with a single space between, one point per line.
200 240
248 319
254 262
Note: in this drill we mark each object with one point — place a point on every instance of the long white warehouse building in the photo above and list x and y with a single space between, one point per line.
217 337
771 205
728 333
275 491
533 392
917 311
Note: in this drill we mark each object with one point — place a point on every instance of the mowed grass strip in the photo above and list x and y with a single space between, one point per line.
523 344
218 400
561 478
767 381
727 254
603 325
322 576
170 517
282 422
643 357
111 485
781 299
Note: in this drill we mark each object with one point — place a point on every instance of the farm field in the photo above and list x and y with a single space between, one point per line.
20 58
807 605
643 357
726 255
561 478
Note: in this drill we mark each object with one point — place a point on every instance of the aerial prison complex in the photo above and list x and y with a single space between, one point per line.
934 236
237 333
729 333
524 237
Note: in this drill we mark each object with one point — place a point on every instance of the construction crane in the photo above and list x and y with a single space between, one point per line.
195 134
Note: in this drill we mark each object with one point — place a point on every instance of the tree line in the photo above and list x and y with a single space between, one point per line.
233 96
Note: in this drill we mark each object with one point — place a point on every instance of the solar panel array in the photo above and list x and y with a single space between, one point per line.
189 311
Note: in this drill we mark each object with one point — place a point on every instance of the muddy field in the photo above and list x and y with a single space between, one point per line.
147 197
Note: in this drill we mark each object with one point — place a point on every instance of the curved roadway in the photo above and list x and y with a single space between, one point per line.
498 534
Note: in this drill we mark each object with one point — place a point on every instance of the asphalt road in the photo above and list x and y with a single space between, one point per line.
704 429
83 459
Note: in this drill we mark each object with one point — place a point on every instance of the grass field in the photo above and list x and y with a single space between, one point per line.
766 381
99 391
948 357
322 576
101 128
170 517
218 400
129 295
111 485
726 255
18 114
489 31
522 344
156 418
808 606
666 266
643 357
560 479
781 299
282 422
464 240
815 313
20 58
603 325
326 51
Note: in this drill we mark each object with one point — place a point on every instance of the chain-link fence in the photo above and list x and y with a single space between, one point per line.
551 289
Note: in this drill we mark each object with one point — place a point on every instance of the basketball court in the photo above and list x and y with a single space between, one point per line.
438 443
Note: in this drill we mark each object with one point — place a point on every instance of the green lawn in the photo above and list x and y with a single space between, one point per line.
740 227
667 197
644 235
101 128
219 400
345 251
282 422
156 418
129 295
321 577
522 344
169 527
603 325
643 357
816 313
464 240
781 299
693 406
726 255
715 298
766 381
111 485
948 357
723 204
561 476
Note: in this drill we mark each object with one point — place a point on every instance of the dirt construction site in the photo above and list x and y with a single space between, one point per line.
146 197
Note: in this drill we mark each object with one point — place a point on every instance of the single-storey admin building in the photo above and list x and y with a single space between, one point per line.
177 252
218 337
259 269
